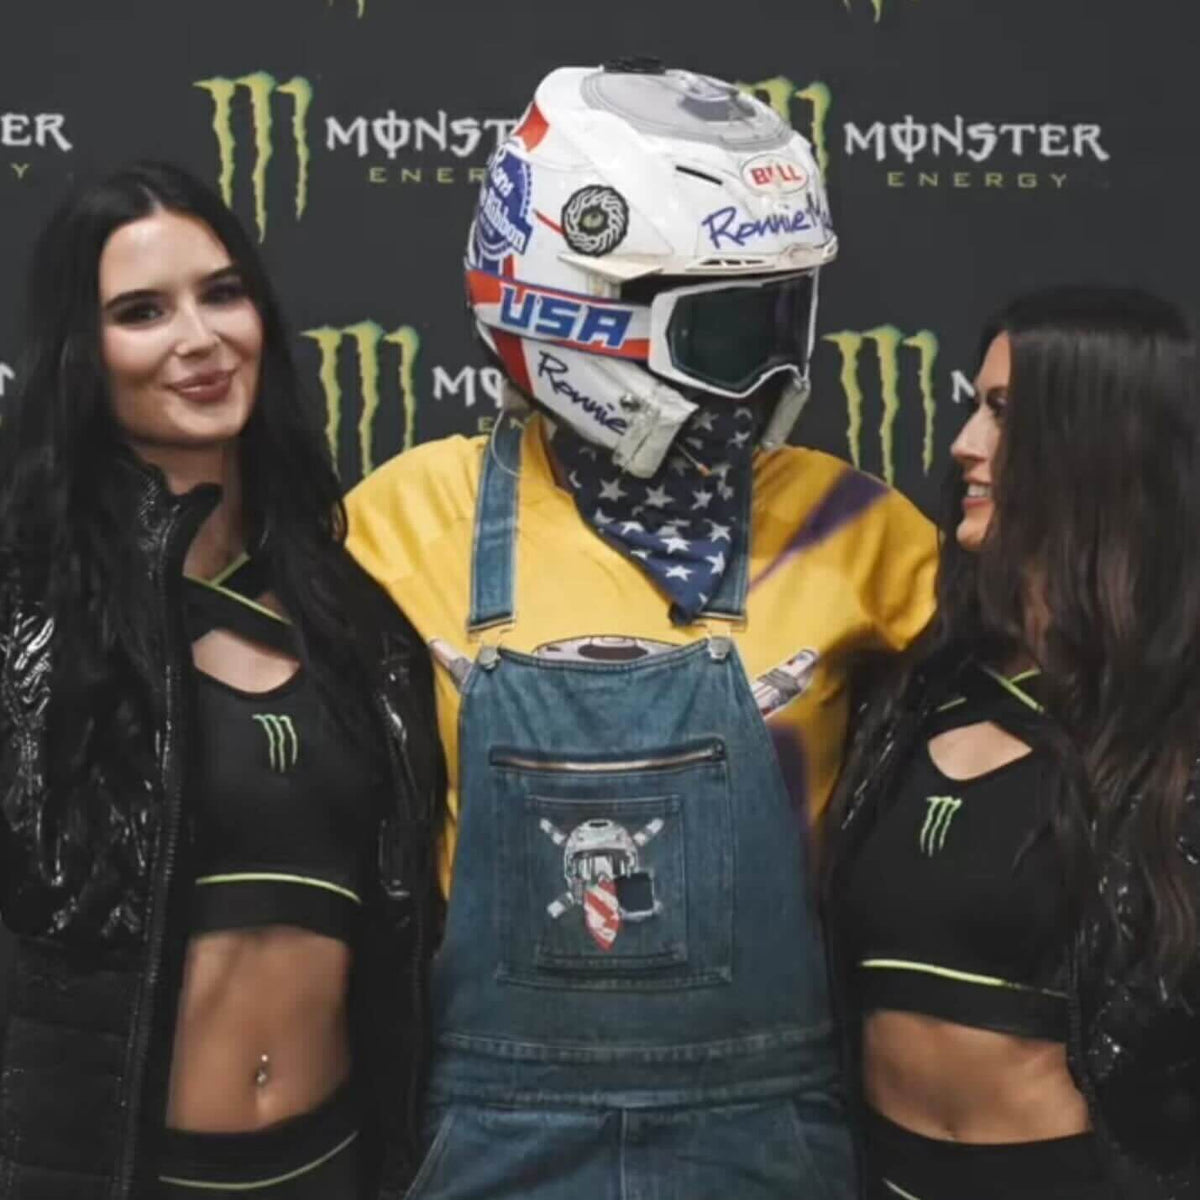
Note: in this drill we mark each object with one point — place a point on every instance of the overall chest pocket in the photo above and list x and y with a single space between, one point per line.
614 873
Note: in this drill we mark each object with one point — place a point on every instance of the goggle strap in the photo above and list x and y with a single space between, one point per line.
812 321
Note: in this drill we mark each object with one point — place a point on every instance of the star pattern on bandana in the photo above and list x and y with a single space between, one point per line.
679 525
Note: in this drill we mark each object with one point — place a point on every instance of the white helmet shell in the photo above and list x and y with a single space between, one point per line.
629 174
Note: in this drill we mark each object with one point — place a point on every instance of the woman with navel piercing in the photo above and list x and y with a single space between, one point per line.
219 772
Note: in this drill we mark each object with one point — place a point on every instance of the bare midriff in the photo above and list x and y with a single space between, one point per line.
262 1031
952 1082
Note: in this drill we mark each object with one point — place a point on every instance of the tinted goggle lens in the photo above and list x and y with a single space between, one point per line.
733 337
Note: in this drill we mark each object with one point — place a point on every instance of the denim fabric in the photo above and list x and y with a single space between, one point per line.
764 1150
630 1000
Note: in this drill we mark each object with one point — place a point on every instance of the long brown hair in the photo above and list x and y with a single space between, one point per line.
1096 524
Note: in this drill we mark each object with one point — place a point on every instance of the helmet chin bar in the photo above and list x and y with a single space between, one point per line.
608 401
657 413
640 428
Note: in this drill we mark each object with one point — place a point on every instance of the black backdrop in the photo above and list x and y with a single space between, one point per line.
973 147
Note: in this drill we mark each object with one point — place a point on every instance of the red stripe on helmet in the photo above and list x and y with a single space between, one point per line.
638 348
512 355
484 287
531 131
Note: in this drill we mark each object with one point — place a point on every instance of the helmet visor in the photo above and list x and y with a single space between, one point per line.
728 338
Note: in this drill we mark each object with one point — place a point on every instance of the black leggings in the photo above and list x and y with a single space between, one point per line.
311 1157
906 1166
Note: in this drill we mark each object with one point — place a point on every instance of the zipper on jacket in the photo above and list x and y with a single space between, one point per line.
656 762
396 738
146 1006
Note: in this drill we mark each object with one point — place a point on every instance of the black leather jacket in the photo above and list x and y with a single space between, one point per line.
99 909
1134 1052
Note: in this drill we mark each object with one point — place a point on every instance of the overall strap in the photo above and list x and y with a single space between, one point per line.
493 552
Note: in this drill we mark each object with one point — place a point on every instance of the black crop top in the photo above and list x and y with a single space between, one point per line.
956 899
284 810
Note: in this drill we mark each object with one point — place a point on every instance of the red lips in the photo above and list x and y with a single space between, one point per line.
205 387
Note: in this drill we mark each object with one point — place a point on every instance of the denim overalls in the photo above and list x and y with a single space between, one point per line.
630 1002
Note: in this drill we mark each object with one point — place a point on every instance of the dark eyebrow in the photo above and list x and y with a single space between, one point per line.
230 272
128 297
218 276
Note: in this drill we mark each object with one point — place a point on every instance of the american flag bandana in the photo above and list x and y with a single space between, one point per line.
680 524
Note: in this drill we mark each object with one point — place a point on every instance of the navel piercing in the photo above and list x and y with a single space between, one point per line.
263 1073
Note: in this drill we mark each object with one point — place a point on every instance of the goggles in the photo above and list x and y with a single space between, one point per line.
725 338
728 338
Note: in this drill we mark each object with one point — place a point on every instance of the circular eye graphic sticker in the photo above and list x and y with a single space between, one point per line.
595 220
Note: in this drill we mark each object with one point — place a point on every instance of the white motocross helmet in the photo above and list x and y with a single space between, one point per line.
643 236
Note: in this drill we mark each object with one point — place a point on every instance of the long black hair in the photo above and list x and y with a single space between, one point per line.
1091 567
65 524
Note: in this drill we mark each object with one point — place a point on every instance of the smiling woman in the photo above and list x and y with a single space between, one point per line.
183 354
219 775
1012 882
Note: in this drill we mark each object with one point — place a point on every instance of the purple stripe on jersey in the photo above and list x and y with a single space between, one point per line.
849 497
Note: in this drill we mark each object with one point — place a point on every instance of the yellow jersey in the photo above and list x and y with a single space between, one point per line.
839 565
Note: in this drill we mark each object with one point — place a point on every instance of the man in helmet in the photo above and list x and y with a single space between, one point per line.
646 607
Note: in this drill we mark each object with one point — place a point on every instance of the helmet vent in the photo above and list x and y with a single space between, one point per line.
698 174
727 263
686 107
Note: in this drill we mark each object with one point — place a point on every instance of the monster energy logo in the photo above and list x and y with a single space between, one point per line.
367 337
888 342
941 810
260 87
780 93
281 737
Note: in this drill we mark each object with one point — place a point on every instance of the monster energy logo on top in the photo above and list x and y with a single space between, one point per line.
260 87
939 813
283 745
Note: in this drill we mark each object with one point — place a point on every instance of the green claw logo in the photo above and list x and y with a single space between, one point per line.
260 87
367 337
283 745
888 342
941 810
